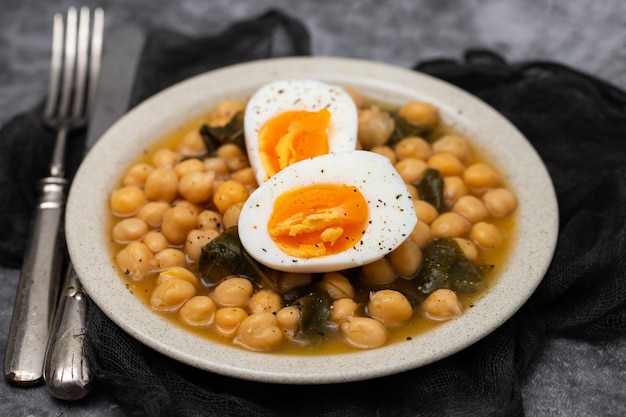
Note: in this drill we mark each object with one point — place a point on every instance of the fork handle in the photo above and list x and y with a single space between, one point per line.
37 288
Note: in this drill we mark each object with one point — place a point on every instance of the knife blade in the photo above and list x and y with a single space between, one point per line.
67 372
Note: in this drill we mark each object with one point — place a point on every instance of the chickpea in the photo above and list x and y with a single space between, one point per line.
229 193
259 331
192 207
168 258
127 200
411 169
217 165
499 201
209 220
233 292
480 176
453 144
385 150
178 272
336 285
413 147
288 318
162 184
199 310
196 186
165 158
189 165
442 304
228 319
374 127
290 280
425 211
486 235
391 307
196 239
224 112
363 332
134 260
450 224
137 174
412 191
470 251
265 300
342 308
171 294
178 221
453 188
422 235
231 215
155 241
246 177
472 208
192 144
130 229
152 212
447 164
420 113
233 155
406 258
377 273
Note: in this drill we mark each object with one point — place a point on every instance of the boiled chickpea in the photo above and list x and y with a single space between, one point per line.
425 211
406 258
165 158
336 285
413 147
412 191
231 215
127 200
168 258
196 186
246 177
499 201
178 272
229 193
411 169
259 331
422 235
470 251
224 112
199 310
442 304
446 163
192 207
155 240
192 144
172 294
178 221
342 308
233 292
209 220
363 332
217 165
135 260
265 300
480 176
228 319
472 208
162 184
486 235
453 144
189 165
196 239
420 113
377 273
152 212
453 188
450 224
130 229
290 280
391 307
288 319
137 174
374 127
233 155
386 151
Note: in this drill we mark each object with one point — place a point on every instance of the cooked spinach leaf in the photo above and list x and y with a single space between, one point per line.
430 189
403 129
314 316
232 132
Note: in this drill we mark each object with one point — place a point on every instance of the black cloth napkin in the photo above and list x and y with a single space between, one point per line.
577 124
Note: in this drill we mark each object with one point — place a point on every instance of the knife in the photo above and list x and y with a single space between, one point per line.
67 372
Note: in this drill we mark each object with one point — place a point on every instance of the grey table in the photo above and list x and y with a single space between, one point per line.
571 378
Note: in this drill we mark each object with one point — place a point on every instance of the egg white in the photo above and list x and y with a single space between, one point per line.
391 213
302 95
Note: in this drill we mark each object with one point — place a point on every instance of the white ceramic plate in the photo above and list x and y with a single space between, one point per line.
491 133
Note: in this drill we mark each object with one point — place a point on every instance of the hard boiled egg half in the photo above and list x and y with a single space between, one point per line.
289 120
328 213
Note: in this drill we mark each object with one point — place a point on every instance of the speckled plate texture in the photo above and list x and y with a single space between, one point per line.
492 134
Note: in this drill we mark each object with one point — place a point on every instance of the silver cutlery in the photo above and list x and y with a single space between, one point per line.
75 64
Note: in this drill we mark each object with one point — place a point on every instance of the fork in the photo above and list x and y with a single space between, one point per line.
74 70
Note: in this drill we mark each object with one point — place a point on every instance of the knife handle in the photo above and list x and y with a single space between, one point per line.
37 289
66 371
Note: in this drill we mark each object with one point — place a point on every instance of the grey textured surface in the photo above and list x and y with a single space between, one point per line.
570 378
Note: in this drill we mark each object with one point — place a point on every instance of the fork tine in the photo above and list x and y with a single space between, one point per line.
55 66
96 56
81 63
68 65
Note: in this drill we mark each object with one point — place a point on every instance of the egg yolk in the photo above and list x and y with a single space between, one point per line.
318 220
291 137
